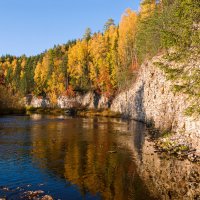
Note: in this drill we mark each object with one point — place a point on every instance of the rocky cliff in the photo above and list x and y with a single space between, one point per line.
88 100
151 99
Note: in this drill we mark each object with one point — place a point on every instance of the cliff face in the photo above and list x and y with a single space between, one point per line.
89 100
151 99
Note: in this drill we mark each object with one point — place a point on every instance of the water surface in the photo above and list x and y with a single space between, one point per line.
92 158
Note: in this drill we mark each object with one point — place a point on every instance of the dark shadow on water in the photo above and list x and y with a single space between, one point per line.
139 138
140 115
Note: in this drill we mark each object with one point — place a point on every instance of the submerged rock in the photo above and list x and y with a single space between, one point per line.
4 188
47 197
32 194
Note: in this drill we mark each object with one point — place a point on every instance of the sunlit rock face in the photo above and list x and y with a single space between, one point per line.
88 100
37 102
151 99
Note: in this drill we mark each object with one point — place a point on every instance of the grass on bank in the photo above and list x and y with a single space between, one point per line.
98 112
82 112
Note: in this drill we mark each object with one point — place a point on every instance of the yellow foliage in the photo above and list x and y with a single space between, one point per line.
14 64
78 62
23 63
77 58
146 9
22 75
127 31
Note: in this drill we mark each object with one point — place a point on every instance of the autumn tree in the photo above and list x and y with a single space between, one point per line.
78 65
149 30
127 50
40 76
103 48
87 35
110 22
147 7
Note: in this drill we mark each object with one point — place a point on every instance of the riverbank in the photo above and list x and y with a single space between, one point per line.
168 143
79 112
173 145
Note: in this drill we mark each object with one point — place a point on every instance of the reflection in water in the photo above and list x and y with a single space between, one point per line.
165 177
168 177
86 153
94 158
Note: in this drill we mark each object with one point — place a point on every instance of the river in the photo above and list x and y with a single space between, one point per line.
88 158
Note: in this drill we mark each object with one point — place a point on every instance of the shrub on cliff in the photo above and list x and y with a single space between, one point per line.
167 24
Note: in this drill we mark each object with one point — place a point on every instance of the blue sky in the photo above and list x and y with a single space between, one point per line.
31 26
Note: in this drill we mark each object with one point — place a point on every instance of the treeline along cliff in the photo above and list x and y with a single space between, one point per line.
107 62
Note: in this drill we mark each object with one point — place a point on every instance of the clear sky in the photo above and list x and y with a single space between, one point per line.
31 26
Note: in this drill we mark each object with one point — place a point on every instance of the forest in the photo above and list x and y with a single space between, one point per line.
106 62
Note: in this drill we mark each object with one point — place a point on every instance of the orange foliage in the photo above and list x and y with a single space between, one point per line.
69 92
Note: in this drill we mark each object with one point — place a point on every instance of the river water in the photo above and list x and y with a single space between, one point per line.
88 158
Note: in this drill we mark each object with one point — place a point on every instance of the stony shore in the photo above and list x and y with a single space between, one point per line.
173 144
24 193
